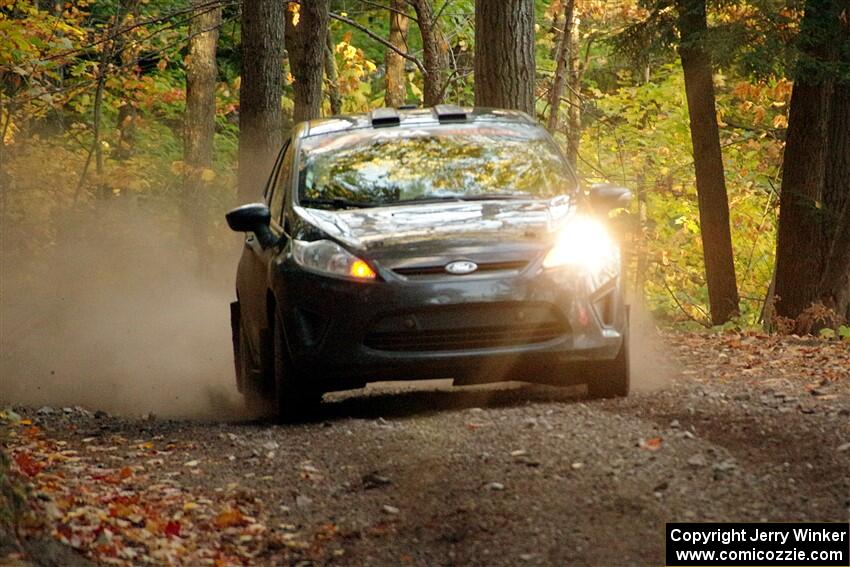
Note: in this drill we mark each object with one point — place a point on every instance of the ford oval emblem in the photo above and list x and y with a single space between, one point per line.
461 267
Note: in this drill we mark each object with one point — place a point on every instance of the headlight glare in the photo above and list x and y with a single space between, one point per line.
327 257
583 243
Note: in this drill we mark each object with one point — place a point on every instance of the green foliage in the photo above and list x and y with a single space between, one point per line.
638 136
356 77
841 333
827 334
50 65
755 38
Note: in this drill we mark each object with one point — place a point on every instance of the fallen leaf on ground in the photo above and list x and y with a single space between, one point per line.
652 444
229 518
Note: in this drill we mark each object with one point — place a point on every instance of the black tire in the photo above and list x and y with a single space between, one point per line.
612 378
296 399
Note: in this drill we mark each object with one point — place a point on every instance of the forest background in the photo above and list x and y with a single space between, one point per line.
93 119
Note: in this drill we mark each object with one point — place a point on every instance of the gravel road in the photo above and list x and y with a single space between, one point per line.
507 475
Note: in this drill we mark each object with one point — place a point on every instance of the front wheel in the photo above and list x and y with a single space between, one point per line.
296 398
611 378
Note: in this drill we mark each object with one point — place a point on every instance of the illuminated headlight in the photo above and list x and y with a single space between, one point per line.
583 243
326 257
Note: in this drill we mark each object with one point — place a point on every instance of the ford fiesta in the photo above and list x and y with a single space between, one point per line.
431 243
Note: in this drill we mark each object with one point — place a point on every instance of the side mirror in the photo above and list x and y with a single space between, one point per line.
255 218
604 198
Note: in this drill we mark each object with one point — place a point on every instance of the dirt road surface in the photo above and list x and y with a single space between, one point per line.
749 429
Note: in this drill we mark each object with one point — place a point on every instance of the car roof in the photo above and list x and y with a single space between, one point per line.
411 117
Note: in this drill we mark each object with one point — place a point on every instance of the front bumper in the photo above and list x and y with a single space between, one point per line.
474 329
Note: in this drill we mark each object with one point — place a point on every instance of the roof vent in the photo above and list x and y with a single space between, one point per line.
383 117
450 113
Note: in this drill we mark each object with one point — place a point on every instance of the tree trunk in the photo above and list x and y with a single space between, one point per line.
435 53
108 48
573 95
201 75
126 123
111 47
332 76
306 47
96 110
261 88
396 86
800 249
568 72
561 68
96 149
5 121
708 162
504 54
642 264
811 256
835 283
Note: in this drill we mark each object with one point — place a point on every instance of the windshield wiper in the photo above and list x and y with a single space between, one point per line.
338 203
461 198
496 197
425 200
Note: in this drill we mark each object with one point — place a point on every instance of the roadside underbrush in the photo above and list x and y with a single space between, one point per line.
25 535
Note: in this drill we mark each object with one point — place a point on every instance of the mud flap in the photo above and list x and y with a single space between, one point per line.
234 333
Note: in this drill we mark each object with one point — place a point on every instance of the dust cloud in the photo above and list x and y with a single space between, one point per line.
120 313
117 316
652 365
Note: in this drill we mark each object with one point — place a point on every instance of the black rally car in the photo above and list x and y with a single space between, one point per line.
431 243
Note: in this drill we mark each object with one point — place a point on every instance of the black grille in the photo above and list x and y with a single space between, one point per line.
468 327
441 270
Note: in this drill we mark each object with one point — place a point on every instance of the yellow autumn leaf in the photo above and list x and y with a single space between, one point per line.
295 10
207 176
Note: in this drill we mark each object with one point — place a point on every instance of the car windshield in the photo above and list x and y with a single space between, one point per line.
396 165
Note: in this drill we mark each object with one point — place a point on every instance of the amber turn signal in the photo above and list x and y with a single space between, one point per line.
362 271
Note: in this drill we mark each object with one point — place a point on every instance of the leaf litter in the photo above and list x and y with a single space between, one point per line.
134 513
112 500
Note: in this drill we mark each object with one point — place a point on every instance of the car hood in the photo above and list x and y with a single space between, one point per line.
456 221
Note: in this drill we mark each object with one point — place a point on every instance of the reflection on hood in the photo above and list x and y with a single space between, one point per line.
363 228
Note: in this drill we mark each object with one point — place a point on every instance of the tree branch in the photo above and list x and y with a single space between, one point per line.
391 9
682 308
440 12
380 40
113 34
